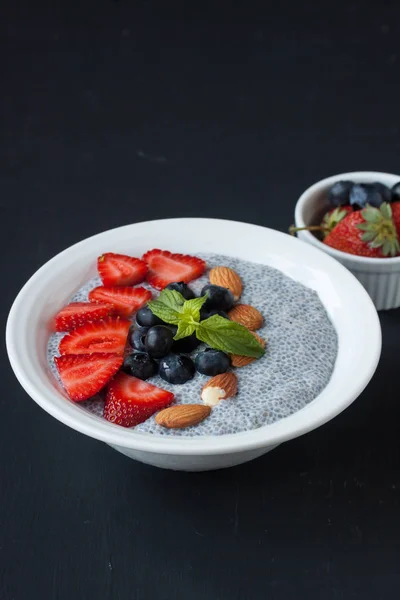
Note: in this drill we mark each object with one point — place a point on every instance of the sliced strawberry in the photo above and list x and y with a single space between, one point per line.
85 375
108 336
164 268
131 401
78 313
118 269
126 300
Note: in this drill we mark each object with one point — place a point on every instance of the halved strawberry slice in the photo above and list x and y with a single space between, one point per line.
165 267
126 300
118 269
108 336
85 375
130 401
78 313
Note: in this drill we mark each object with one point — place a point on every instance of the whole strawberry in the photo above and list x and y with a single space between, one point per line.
396 216
370 232
328 223
333 218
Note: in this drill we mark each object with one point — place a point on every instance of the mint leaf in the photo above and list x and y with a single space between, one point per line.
172 307
184 330
190 317
192 307
171 298
228 336
164 312
217 332
167 306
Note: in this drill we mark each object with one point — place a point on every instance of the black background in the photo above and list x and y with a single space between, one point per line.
115 112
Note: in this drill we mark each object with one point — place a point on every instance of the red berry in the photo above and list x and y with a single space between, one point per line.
396 216
126 300
118 269
108 336
85 375
165 268
78 313
370 232
131 401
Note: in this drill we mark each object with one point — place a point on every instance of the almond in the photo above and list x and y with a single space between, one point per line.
219 387
227 278
241 361
182 415
246 315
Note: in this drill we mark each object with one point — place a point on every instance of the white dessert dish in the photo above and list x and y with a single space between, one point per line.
359 335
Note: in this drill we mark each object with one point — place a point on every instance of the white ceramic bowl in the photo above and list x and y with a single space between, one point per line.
379 276
51 286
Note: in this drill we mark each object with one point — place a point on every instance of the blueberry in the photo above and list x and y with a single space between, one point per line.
185 345
396 192
176 368
365 193
182 288
384 191
204 314
173 328
145 318
140 364
136 338
219 298
158 341
339 193
212 362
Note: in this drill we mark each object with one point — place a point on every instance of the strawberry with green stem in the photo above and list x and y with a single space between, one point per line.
370 232
396 216
333 218
329 222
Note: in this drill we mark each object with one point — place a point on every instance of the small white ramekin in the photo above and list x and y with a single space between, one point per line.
379 276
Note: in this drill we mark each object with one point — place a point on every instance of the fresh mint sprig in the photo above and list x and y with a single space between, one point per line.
219 333
168 307
228 336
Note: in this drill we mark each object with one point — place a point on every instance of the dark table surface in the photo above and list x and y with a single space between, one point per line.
115 112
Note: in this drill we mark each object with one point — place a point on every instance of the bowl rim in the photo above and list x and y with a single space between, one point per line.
310 417
320 185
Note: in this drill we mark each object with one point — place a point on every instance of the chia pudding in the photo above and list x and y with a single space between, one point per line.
300 355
